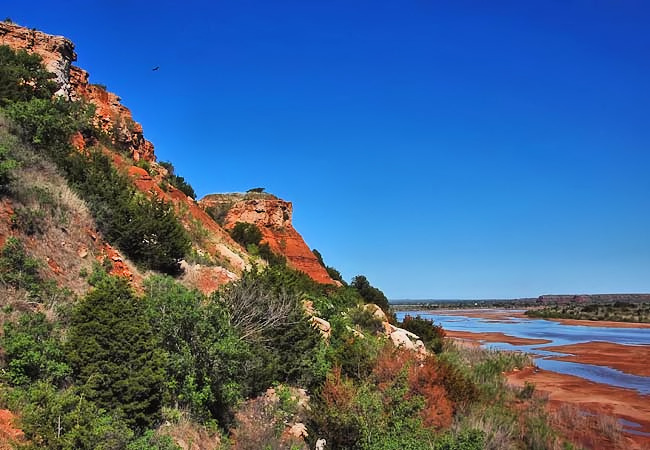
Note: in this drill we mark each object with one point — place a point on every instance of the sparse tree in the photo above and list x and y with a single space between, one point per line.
254 308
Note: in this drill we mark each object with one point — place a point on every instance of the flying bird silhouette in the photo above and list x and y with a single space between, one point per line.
156 68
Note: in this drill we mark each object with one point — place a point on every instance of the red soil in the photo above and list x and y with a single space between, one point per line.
632 359
602 323
494 337
8 434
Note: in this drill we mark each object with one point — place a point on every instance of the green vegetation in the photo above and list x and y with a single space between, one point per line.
432 335
369 293
246 234
615 311
114 354
22 77
17 269
7 165
33 351
331 271
177 181
249 236
145 229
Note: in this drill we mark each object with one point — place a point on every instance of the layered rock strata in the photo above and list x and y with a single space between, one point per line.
273 217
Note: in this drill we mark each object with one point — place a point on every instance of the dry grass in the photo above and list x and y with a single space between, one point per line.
189 435
586 428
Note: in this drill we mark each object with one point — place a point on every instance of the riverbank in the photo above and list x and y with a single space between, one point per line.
593 398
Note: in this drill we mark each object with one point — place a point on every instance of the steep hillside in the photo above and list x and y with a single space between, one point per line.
221 259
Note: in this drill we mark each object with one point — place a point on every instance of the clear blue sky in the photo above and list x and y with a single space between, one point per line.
445 149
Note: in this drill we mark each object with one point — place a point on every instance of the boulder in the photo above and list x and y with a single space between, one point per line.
322 325
401 339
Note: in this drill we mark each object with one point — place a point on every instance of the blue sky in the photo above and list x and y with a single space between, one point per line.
445 149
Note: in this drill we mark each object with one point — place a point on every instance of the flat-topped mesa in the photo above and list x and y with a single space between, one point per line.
58 54
273 217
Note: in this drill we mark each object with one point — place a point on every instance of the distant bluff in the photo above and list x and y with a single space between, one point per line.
229 259
273 217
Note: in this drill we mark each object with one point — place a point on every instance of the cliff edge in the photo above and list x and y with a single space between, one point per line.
273 216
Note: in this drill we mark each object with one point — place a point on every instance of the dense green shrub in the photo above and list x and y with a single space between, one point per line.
146 229
152 441
365 416
153 236
188 330
318 256
22 76
114 353
7 166
331 271
249 236
335 275
465 439
33 351
272 258
17 269
67 420
246 234
48 124
432 335
369 293
266 310
177 181
210 367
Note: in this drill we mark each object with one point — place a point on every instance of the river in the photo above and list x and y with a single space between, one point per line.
511 323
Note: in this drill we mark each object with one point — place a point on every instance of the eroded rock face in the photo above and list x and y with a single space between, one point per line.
58 54
273 217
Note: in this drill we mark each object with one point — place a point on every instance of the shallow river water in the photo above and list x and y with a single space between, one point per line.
558 334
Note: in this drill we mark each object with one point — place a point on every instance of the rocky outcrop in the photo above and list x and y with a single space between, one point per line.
322 325
273 217
57 52
398 336
58 55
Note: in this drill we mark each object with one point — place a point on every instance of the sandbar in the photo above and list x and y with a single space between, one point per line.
632 359
494 337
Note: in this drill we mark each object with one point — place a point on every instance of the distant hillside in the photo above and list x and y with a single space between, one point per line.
597 298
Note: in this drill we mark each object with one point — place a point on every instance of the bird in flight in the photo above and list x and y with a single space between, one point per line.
156 68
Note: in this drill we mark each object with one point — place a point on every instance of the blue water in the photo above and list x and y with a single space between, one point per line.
558 334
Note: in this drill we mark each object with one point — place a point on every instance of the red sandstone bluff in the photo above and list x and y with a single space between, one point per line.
273 217
58 55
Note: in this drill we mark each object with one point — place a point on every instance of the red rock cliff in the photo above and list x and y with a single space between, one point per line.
273 218
58 54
